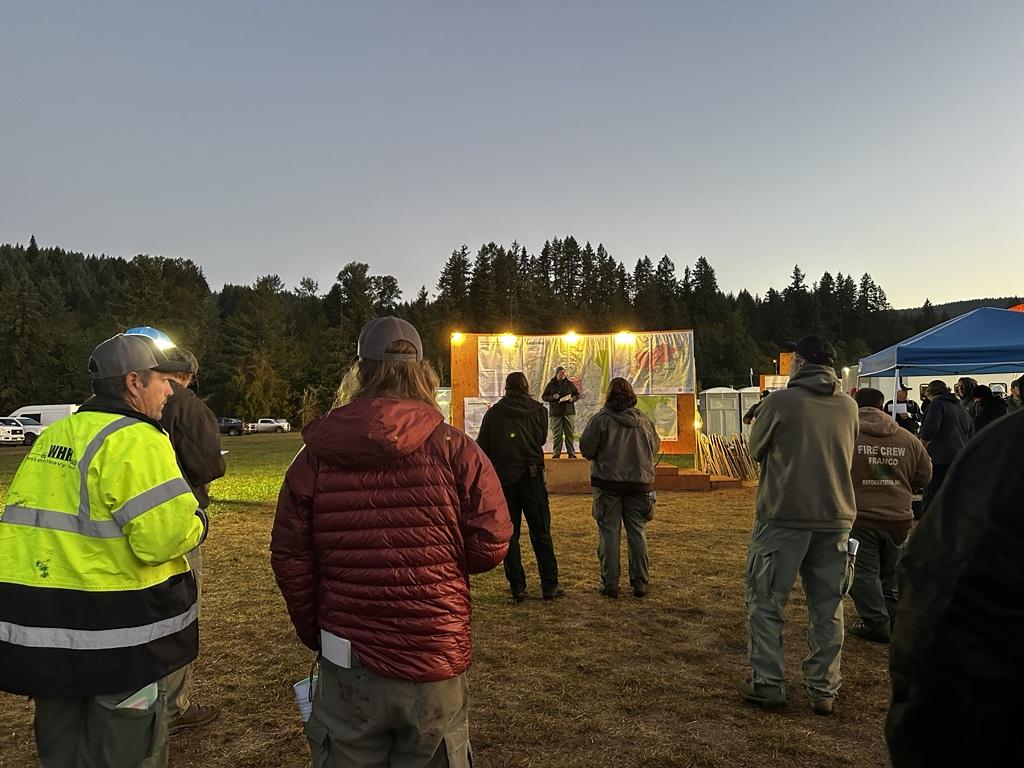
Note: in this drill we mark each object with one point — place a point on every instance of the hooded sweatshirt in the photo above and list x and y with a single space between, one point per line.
512 434
621 446
946 428
382 517
804 438
967 401
889 465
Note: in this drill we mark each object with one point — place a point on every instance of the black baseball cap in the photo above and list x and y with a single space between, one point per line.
814 350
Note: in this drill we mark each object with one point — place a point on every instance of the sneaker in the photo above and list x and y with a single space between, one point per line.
518 595
823 707
612 592
639 591
864 632
554 594
194 716
572 455
758 696
556 456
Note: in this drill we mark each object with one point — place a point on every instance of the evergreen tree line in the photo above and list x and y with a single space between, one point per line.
267 350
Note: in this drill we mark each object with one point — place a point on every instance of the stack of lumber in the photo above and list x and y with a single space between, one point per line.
727 456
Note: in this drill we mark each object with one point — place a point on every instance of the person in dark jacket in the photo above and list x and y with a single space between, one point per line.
622 444
987 407
192 428
946 428
955 653
382 517
751 414
561 395
907 412
1014 401
512 434
965 386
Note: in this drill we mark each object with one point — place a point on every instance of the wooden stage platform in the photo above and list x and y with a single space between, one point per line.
573 476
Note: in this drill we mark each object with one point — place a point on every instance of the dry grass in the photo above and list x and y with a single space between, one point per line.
583 681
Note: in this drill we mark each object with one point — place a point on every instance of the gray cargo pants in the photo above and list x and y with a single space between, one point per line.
178 682
72 733
874 589
775 556
612 511
562 428
365 719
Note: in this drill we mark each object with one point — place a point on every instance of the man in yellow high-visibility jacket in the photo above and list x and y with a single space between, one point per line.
97 603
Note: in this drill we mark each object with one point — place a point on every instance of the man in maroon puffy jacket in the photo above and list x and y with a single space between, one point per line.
382 517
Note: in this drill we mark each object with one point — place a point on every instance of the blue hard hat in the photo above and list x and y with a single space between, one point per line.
163 341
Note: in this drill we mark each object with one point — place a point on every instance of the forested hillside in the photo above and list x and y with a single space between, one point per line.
271 349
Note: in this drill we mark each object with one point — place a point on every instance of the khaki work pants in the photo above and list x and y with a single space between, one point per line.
363 719
775 556
613 511
94 733
180 680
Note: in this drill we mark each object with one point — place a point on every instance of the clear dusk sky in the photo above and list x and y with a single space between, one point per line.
258 137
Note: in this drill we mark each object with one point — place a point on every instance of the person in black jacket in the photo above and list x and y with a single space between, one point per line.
987 407
946 428
561 395
192 428
512 434
955 653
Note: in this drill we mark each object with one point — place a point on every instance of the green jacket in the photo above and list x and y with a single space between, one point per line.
804 437
95 592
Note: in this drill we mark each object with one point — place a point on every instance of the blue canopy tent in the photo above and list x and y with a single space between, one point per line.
986 340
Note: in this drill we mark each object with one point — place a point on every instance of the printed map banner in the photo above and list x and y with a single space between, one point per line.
654 363
658 365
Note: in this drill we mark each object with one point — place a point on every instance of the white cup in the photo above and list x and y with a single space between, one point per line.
304 690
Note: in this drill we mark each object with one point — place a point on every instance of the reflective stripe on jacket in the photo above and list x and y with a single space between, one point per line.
95 593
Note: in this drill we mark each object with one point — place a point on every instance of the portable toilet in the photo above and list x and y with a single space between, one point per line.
748 396
720 410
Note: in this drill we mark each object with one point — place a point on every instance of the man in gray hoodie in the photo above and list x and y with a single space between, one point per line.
803 438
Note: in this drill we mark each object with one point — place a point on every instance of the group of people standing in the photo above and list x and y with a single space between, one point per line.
386 511
621 443
834 505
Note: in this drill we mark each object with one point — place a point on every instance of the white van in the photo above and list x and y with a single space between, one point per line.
45 414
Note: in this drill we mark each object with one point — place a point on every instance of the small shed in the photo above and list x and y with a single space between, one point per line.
720 410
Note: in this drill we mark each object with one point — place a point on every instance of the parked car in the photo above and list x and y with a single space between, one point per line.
45 414
11 432
273 425
32 428
230 426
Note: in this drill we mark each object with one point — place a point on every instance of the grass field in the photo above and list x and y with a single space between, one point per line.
580 682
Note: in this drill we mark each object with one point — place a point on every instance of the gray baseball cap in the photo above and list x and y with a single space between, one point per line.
378 334
122 354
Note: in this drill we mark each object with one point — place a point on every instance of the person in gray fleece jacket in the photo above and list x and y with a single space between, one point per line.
621 444
803 438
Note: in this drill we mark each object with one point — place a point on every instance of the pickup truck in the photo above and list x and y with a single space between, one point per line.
11 431
31 427
272 425
230 426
